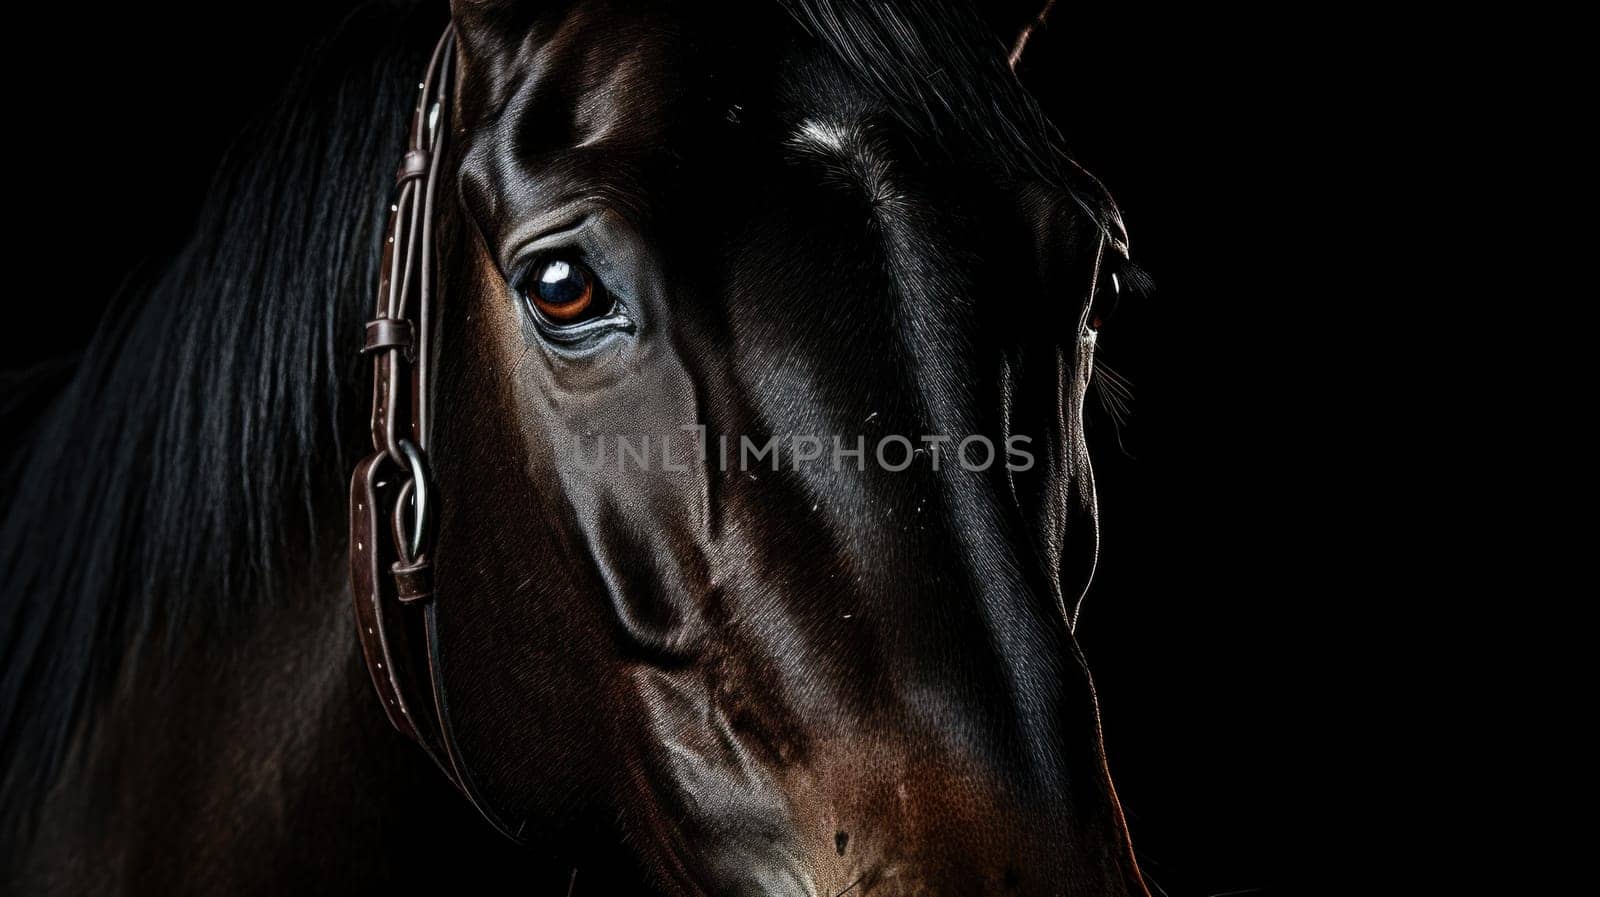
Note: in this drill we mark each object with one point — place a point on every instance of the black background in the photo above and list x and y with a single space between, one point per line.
1207 583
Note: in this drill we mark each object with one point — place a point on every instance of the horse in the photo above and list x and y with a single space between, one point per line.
684 675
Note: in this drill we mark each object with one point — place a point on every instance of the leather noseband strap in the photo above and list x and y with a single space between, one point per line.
391 497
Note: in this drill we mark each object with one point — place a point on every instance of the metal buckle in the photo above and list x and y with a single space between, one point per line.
415 494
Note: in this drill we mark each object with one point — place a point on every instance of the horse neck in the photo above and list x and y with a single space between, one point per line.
261 756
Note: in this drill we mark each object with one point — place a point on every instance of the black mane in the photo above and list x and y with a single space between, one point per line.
200 436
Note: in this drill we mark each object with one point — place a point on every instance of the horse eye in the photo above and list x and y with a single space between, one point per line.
565 292
1106 302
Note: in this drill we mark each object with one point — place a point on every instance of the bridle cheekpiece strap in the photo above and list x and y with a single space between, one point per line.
391 494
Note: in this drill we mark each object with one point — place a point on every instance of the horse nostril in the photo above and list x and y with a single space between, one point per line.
840 839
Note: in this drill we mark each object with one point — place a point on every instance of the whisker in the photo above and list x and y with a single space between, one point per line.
1115 394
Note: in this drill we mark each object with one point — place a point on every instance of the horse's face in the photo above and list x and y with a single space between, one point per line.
760 681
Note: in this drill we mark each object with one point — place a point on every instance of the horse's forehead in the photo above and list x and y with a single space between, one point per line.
580 96
589 78
587 106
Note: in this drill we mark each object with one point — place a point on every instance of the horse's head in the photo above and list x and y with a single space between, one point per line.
830 238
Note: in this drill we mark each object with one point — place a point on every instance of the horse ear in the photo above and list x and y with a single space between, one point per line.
1015 22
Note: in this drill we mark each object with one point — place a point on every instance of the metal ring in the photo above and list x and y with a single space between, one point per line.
422 518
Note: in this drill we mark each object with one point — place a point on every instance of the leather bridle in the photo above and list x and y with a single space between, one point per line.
391 496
